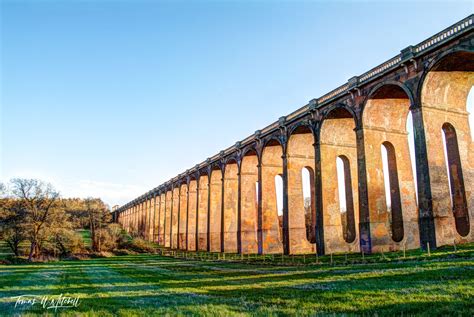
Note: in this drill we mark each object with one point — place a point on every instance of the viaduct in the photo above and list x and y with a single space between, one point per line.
356 133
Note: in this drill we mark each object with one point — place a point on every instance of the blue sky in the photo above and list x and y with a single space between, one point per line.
112 98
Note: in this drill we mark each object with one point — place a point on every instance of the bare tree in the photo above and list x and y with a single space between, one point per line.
39 200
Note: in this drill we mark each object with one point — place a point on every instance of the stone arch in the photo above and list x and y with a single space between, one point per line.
384 120
339 110
215 209
394 85
249 201
272 165
300 155
231 202
202 211
301 124
338 139
444 90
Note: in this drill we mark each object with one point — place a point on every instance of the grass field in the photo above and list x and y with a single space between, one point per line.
152 285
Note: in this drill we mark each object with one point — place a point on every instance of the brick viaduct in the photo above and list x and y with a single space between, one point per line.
229 202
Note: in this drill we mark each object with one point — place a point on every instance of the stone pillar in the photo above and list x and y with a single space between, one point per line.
162 221
239 211
320 246
259 209
286 231
175 219
249 204
364 218
183 203
215 211
168 204
425 200
192 216
231 202
203 213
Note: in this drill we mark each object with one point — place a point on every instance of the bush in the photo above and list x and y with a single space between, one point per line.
124 252
12 259
139 245
112 237
63 242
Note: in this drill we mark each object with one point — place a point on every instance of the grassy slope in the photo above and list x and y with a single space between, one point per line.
148 285
86 237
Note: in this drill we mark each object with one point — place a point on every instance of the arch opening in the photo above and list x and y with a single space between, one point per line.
279 203
455 179
307 175
346 200
392 190
411 149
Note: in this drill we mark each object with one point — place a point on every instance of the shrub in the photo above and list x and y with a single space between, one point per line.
112 237
139 245
63 242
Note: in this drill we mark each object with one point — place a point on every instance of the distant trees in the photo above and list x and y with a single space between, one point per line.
12 226
99 216
32 211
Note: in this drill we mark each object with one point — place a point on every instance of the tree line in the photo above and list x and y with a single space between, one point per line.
32 213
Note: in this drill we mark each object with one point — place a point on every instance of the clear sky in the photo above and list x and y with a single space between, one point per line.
112 98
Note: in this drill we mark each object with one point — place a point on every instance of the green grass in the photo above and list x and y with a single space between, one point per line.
153 285
86 237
